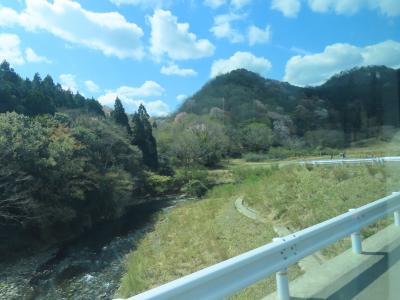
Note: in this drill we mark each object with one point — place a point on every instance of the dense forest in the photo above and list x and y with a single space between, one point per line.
67 163
251 114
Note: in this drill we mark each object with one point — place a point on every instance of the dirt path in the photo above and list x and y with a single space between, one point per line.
306 264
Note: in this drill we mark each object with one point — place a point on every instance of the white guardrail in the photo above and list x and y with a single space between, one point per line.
352 160
227 277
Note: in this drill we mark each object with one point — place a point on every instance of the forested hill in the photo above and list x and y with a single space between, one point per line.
65 165
39 96
243 95
356 102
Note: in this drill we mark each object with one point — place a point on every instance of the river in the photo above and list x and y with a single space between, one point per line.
88 267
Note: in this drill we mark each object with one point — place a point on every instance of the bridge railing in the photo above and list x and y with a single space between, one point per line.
227 277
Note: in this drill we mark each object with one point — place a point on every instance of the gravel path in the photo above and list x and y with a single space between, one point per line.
307 263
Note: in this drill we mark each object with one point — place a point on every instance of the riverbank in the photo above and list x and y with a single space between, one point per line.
89 267
84 274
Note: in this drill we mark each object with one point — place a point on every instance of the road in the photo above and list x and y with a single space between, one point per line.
372 275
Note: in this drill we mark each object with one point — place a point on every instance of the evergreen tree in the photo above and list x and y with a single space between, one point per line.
143 138
138 135
5 66
94 107
38 96
120 116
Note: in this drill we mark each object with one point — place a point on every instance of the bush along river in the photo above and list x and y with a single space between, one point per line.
88 267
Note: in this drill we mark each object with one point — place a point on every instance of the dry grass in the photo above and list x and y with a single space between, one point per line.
200 233
191 237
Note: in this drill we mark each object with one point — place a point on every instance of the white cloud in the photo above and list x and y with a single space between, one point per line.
147 89
109 32
181 97
386 53
240 3
174 69
8 16
214 3
222 27
289 8
314 69
10 49
68 82
32 56
91 86
130 97
142 3
236 4
258 35
239 60
301 51
350 7
387 7
174 39
157 108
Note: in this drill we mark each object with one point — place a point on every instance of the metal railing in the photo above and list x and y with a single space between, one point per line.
227 277
343 161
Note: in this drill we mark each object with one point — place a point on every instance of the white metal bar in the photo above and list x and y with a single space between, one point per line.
282 285
356 244
352 160
397 218
282 281
227 277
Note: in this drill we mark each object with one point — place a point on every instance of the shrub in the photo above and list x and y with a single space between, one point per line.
341 173
160 184
279 153
309 167
195 188
251 173
255 157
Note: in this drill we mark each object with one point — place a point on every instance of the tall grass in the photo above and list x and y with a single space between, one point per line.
200 233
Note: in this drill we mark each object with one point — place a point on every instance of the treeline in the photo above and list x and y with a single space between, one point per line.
257 115
66 165
355 101
140 130
242 114
39 96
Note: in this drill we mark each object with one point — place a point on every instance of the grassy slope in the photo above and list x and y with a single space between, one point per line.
299 198
200 233
193 236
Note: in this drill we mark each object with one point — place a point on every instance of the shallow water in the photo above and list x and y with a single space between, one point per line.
89 267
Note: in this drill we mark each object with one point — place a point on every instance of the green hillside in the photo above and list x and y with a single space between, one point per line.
357 102
66 165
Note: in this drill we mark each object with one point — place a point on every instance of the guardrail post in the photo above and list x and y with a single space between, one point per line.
356 243
397 218
282 285
282 281
396 213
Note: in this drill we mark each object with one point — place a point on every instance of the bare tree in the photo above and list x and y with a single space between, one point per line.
16 202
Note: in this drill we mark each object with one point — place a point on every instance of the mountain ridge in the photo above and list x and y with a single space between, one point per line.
355 101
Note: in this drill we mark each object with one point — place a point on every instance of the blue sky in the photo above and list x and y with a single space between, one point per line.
157 52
